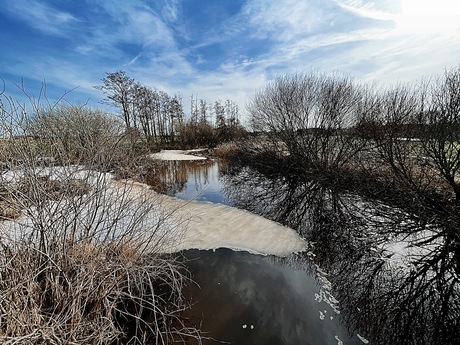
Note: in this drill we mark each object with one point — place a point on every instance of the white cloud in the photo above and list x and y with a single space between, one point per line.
286 20
369 9
170 11
365 39
299 42
41 16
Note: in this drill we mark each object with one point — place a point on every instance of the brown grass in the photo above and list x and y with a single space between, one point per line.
84 293
65 278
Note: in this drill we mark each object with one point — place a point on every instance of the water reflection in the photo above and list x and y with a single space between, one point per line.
251 299
392 275
188 180
391 297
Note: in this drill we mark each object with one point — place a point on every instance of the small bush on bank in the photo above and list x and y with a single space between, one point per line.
75 133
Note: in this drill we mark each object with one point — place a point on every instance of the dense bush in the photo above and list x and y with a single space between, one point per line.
80 254
76 134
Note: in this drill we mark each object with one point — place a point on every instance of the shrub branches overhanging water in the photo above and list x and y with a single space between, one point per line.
397 148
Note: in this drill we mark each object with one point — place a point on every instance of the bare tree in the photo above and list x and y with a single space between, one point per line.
176 115
308 115
396 136
203 112
119 90
441 129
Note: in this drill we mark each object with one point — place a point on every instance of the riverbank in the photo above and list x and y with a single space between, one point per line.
211 226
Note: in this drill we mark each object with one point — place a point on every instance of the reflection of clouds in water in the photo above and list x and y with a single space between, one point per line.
277 300
203 184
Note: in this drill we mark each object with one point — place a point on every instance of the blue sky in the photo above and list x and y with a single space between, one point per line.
220 49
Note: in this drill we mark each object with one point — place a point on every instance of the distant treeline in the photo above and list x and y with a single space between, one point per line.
160 119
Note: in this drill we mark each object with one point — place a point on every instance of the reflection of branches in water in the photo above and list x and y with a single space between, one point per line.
167 177
170 177
392 298
413 306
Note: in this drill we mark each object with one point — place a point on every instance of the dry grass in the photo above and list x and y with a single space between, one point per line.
86 293
8 208
83 265
69 275
227 150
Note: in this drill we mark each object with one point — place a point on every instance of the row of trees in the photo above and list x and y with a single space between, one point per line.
159 118
330 122
399 145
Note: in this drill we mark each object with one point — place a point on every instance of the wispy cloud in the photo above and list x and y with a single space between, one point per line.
286 20
170 11
370 9
223 49
41 16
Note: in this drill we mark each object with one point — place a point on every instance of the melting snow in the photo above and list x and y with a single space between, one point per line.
210 226
325 291
321 315
176 155
188 225
339 342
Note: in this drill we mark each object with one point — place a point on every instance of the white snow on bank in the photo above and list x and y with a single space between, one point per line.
211 226
106 211
123 205
176 155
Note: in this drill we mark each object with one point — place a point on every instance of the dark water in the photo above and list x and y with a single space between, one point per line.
345 287
250 299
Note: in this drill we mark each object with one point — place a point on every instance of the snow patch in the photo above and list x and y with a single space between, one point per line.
185 224
176 155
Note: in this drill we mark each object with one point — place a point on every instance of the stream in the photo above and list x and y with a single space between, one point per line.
356 284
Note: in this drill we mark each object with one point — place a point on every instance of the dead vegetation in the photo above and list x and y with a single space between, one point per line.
86 293
80 255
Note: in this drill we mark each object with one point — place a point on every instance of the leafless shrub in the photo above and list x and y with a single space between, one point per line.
76 133
308 116
83 262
